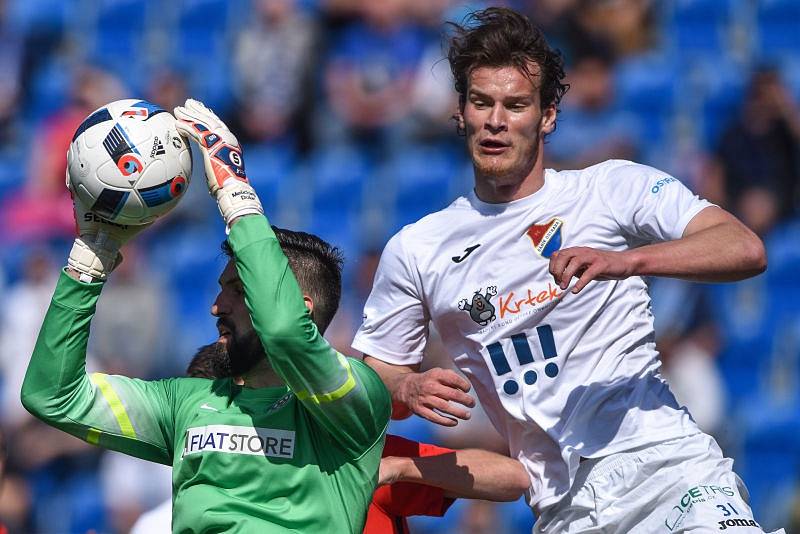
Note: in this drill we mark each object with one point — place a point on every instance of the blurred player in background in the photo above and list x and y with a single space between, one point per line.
297 446
534 281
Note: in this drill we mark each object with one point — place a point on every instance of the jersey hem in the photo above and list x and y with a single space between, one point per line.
622 447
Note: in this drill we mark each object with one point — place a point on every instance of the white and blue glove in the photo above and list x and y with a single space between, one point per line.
222 156
95 252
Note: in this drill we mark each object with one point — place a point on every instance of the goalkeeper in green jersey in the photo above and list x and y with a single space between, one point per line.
296 448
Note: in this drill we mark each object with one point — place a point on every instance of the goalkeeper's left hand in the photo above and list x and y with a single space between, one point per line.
222 156
95 252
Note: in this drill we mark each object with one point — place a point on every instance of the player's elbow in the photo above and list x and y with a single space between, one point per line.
33 400
511 481
754 255
519 482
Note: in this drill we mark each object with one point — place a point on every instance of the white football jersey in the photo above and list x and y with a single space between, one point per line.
561 376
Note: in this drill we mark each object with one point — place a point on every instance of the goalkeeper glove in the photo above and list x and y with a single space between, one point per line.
222 157
95 252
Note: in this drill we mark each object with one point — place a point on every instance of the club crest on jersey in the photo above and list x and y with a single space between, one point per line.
480 309
546 238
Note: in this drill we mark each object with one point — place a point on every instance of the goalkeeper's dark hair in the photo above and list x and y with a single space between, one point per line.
501 37
317 265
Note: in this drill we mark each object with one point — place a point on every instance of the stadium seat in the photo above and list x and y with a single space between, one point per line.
720 86
421 176
778 23
770 464
695 27
647 86
48 90
270 166
338 175
120 30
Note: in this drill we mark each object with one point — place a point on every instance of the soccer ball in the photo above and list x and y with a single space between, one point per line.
127 163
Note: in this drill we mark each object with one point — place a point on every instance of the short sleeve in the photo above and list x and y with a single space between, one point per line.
408 498
395 321
649 204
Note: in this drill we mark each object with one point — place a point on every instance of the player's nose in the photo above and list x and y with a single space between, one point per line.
216 306
496 121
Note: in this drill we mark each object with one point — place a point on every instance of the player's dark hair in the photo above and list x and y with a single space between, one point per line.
501 37
317 265
208 363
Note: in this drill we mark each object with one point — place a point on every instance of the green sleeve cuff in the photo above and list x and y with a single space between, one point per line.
75 294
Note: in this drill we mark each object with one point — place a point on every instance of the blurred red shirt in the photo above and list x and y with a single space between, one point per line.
391 504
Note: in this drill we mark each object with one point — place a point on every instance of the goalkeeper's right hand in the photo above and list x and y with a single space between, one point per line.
95 252
222 156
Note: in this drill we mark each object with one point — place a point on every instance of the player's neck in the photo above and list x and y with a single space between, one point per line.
261 376
494 191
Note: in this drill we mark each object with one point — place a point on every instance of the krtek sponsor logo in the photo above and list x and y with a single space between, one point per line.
738 522
480 309
514 303
240 440
661 183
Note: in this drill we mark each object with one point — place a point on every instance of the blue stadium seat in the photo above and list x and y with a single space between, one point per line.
338 175
647 85
201 29
120 31
422 177
48 90
722 87
771 465
699 26
778 23
270 167
742 315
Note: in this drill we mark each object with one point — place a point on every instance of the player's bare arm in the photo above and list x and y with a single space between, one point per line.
468 473
434 395
715 247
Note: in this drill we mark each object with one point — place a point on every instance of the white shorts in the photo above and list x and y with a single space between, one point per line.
681 485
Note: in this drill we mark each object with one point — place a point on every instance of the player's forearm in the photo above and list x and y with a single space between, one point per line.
57 369
392 377
468 473
725 252
58 391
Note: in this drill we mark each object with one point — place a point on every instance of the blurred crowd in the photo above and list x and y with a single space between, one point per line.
344 108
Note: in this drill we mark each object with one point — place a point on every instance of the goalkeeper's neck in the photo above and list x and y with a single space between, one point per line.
260 376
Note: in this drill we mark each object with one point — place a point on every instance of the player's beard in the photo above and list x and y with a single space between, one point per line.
241 353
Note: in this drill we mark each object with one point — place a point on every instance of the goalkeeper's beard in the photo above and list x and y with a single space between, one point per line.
241 353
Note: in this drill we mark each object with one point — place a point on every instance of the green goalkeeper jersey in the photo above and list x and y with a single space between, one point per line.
298 458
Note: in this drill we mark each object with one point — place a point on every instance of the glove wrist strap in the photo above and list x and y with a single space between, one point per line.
93 258
237 198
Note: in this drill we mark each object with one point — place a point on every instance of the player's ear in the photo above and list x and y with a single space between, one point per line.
548 119
309 303
458 116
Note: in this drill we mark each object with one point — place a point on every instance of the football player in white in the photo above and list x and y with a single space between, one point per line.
534 281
